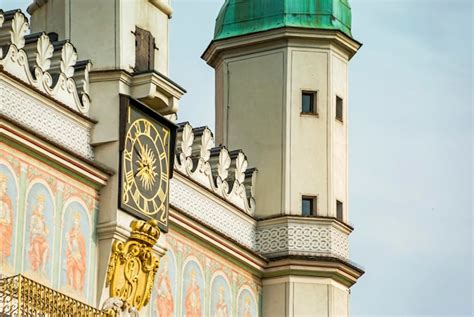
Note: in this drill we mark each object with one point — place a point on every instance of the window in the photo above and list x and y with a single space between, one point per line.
339 210
309 102
144 50
339 108
309 206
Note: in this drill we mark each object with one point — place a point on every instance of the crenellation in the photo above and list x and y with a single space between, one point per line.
216 168
41 61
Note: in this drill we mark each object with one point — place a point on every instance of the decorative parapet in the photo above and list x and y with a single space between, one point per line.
43 62
306 236
223 172
20 296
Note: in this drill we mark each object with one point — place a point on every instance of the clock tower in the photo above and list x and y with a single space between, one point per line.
127 42
282 95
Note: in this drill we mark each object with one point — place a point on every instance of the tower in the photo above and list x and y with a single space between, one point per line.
281 77
127 42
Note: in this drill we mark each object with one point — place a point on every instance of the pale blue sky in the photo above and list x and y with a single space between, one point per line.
410 146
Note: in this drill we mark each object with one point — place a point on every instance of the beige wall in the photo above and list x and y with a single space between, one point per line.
294 296
258 109
102 30
253 119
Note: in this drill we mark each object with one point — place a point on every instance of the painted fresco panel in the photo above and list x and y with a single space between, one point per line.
46 225
202 283
221 305
38 233
246 305
8 211
193 282
75 253
165 292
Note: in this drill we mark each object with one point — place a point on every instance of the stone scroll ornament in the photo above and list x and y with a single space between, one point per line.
41 61
131 271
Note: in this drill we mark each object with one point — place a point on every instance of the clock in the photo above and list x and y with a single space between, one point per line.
146 161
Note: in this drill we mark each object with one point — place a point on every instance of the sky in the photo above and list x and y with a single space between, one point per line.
411 139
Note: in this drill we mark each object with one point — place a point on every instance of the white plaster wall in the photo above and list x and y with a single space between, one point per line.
308 156
294 296
102 30
339 137
254 120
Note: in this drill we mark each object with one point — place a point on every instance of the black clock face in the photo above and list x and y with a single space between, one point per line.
145 166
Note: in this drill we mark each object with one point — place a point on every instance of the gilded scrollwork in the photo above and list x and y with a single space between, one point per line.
132 266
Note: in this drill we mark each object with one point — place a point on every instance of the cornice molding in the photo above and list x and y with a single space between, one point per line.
77 166
279 38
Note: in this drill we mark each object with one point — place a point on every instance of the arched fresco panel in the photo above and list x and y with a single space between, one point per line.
38 251
221 302
246 304
193 292
8 212
164 292
75 250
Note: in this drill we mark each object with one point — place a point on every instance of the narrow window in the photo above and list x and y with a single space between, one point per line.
308 206
144 50
339 108
308 102
339 210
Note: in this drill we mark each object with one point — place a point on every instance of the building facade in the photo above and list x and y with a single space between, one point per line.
254 219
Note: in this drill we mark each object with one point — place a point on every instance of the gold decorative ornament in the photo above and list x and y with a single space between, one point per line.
20 296
132 265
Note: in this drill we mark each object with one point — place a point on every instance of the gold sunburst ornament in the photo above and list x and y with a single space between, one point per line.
146 167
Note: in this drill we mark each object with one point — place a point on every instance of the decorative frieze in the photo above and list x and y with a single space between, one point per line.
198 205
41 61
46 121
222 172
302 236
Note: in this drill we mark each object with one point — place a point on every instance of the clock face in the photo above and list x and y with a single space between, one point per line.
145 166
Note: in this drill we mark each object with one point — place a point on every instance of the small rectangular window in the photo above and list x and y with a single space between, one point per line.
339 210
309 206
339 109
308 102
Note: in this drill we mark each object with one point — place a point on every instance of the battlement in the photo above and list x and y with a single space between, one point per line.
41 61
221 171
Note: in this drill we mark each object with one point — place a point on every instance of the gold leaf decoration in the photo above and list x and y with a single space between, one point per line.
132 265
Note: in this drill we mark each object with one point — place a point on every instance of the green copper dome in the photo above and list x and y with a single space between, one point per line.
239 17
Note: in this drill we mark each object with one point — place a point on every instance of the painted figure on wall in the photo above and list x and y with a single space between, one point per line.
247 305
6 221
192 300
221 306
75 255
220 296
75 250
39 248
164 298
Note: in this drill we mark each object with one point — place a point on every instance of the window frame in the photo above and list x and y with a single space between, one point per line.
313 203
341 118
339 204
314 102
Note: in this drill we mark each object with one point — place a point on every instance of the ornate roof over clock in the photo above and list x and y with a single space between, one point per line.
147 142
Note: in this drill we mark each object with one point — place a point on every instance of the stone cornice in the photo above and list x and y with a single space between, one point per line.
339 270
85 170
214 238
279 38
